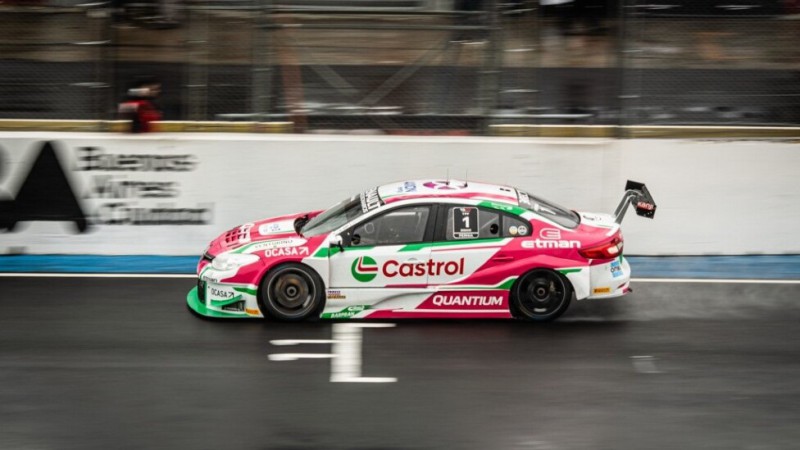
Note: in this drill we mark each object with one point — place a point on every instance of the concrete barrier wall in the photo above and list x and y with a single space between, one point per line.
170 194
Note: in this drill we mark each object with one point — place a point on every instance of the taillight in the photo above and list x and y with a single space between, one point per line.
608 250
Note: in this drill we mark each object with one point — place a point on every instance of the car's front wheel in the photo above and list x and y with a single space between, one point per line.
291 292
540 295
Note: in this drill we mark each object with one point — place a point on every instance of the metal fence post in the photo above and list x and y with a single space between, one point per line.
261 89
490 76
620 81
196 42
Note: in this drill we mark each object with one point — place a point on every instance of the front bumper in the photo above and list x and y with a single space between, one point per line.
198 306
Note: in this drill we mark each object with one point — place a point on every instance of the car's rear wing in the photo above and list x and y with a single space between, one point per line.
636 194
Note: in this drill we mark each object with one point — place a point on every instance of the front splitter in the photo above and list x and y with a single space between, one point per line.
197 306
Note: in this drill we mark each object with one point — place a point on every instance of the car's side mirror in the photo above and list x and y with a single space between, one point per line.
336 241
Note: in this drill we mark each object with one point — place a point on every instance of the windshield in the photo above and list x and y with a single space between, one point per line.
342 213
549 210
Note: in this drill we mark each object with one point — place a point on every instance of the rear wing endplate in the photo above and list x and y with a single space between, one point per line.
636 194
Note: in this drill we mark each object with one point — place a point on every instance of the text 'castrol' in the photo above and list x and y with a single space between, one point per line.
430 267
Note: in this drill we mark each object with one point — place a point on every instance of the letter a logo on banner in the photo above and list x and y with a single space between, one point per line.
45 195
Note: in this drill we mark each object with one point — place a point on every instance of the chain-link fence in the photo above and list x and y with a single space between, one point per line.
409 66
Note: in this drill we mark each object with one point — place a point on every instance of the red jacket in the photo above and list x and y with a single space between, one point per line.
141 112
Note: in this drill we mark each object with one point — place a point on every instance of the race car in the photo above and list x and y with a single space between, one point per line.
419 249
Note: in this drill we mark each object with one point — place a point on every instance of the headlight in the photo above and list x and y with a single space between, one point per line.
233 261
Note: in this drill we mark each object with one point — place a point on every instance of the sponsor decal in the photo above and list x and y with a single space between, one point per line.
210 278
465 223
441 185
602 290
538 243
346 313
646 206
408 186
286 251
467 300
500 206
364 269
512 230
550 233
220 293
275 227
268 245
336 295
616 269
431 268
370 200
522 230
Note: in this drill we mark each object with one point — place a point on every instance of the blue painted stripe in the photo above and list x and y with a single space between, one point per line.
98 264
751 266
777 267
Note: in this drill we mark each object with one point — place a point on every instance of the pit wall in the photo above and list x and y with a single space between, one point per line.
169 194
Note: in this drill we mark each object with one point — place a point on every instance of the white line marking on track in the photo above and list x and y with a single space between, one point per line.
296 356
346 356
301 341
346 367
644 364
191 276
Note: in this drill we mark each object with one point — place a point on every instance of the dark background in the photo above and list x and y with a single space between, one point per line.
396 66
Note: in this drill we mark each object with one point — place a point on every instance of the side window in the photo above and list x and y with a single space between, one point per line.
515 227
400 226
469 222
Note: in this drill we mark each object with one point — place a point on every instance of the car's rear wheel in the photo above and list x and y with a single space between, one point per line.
540 295
291 292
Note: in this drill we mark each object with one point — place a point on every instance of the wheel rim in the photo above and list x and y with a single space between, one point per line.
292 293
541 293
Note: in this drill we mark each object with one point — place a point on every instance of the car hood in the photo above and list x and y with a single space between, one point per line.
274 228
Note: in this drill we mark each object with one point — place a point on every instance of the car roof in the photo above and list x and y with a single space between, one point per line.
419 189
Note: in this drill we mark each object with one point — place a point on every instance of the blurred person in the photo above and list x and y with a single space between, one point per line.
140 107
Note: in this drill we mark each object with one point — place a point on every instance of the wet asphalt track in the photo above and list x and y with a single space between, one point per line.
120 363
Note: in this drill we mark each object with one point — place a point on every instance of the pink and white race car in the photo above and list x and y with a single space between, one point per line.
419 249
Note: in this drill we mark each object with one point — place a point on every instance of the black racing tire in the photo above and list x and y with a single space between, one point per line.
540 295
291 293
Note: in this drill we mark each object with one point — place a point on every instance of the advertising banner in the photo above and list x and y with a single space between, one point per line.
170 194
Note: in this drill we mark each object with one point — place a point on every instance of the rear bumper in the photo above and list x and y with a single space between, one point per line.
611 279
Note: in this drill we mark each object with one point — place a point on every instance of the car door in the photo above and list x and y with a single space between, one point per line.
385 250
470 246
